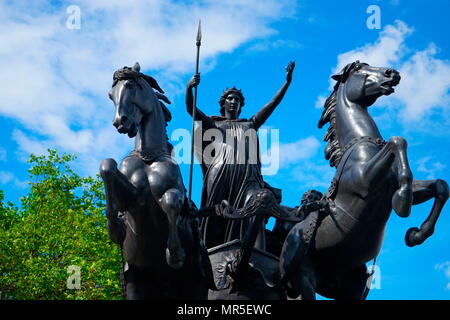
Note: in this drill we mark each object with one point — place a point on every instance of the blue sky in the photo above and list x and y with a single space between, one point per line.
55 82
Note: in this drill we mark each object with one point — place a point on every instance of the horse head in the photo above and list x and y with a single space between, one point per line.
364 84
358 86
133 96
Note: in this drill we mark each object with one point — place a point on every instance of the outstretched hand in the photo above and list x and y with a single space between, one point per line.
289 70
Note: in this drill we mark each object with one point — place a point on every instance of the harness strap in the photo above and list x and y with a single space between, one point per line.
149 156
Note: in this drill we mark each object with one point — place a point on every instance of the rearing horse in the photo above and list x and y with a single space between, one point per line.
157 230
327 252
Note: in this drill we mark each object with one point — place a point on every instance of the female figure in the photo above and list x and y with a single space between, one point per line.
230 163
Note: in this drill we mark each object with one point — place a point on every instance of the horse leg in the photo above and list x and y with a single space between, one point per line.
119 194
307 281
171 203
296 269
403 197
135 286
424 190
353 284
376 170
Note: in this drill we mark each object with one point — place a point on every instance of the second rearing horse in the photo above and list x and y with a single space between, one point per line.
156 229
328 251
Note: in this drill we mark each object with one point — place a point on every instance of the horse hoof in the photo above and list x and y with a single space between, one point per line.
410 237
175 258
402 202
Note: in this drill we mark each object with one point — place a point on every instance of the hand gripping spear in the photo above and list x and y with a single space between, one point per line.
194 108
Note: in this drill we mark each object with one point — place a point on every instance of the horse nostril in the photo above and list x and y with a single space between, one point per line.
388 72
120 121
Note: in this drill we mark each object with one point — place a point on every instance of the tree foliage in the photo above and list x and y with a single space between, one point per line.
60 223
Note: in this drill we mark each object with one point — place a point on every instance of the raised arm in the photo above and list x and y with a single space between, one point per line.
199 115
261 116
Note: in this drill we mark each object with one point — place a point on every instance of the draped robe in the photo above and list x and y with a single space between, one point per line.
231 172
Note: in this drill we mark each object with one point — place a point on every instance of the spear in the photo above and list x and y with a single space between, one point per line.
194 107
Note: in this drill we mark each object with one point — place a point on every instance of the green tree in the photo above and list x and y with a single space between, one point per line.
60 223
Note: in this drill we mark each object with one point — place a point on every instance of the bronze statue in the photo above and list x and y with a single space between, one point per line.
233 180
328 251
229 174
222 250
157 228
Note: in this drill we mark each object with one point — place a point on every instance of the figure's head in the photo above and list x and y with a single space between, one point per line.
311 196
231 103
133 97
364 84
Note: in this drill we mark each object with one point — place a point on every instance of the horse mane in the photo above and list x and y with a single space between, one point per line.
167 118
333 150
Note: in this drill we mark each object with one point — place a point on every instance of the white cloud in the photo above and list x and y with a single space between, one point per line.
300 164
425 84
55 80
275 44
28 144
424 88
445 267
7 178
387 50
291 153
313 175
425 165
299 160
320 101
